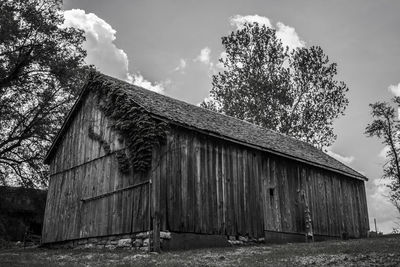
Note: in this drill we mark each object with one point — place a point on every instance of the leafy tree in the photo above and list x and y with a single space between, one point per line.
386 127
292 92
41 64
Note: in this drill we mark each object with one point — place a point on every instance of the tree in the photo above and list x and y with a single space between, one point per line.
41 65
292 92
386 127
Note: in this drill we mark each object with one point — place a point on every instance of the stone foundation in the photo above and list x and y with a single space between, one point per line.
168 241
244 240
137 241
177 241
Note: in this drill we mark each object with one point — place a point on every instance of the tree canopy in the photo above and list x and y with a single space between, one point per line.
41 67
293 92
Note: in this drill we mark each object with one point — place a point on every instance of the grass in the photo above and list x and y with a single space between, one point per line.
362 252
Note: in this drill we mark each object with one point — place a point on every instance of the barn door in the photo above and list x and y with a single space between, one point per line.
271 208
285 200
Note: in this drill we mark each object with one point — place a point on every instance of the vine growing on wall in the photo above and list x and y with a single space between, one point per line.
140 130
97 137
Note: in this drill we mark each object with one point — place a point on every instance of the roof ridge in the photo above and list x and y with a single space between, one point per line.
233 118
214 123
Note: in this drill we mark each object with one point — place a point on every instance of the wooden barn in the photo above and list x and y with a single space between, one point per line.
134 168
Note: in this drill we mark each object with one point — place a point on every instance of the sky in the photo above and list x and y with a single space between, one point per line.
173 47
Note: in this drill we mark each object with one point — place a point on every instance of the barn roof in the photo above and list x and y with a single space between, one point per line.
213 123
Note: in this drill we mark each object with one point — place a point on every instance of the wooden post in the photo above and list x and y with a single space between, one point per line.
150 214
307 217
156 216
155 202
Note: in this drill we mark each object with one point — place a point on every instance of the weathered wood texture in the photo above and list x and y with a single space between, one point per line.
81 169
217 187
201 184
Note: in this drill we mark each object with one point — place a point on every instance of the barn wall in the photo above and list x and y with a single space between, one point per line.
212 186
200 185
80 169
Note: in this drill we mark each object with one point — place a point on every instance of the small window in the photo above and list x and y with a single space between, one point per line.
271 194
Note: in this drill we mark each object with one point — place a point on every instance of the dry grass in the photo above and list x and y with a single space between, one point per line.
363 252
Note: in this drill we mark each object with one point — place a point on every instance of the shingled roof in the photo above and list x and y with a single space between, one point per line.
206 121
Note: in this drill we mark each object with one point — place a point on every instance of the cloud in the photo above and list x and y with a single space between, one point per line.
181 66
344 159
204 56
141 82
287 34
394 89
238 21
205 59
101 50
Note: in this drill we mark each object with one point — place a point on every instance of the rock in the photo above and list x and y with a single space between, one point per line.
165 235
235 242
145 249
243 238
138 243
142 235
111 247
88 246
146 242
124 243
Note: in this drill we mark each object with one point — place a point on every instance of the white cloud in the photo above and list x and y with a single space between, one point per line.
238 21
140 81
182 65
101 51
344 159
394 89
205 59
204 56
287 34
100 47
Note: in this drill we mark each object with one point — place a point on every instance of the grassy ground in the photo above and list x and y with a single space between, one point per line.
381 251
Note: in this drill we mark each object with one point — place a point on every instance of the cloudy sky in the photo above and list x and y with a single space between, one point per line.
173 47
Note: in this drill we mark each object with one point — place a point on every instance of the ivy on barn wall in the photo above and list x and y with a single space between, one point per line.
140 130
97 137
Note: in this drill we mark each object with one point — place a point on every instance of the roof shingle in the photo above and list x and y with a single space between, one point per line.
206 120
218 124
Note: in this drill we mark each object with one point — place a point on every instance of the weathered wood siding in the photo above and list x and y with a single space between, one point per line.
201 184
80 169
213 186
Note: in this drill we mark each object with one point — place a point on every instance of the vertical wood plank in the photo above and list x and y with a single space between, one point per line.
156 201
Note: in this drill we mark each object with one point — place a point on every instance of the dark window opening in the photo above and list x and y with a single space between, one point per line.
271 194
